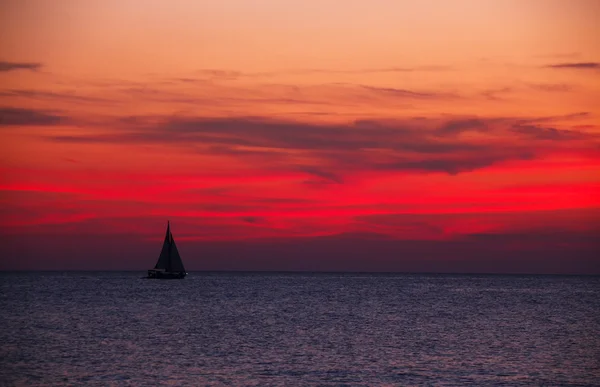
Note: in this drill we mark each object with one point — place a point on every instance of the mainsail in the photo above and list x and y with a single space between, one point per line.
169 259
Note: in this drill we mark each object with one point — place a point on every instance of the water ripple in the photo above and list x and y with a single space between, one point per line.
299 329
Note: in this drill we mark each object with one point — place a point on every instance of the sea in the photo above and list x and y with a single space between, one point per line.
298 329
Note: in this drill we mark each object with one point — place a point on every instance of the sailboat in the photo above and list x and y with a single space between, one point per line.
169 264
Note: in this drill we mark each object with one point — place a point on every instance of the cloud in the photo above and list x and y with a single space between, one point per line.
328 177
396 69
25 117
51 95
252 132
454 127
220 74
403 93
575 65
563 117
332 98
453 165
549 133
12 66
495 94
529 127
426 145
550 87
252 219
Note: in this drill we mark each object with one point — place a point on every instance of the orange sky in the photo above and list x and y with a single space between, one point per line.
246 121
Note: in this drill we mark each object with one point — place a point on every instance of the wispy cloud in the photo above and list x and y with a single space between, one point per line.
28 117
252 219
564 117
395 69
404 93
575 65
453 165
322 174
11 66
550 87
549 133
427 145
454 127
223 74
67 96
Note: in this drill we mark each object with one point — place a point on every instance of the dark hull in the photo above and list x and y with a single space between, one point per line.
153 274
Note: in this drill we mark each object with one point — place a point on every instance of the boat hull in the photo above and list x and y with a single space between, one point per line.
159 274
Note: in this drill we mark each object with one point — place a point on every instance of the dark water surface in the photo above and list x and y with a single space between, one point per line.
299 330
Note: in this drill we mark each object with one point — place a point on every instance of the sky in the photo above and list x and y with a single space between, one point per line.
380 135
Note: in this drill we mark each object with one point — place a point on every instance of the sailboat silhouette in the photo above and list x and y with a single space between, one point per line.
169 264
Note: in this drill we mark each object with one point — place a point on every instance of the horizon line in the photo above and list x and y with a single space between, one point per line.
307 272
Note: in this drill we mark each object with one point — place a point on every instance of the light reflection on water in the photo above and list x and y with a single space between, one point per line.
298 329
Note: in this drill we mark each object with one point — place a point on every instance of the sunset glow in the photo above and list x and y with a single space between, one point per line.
250 123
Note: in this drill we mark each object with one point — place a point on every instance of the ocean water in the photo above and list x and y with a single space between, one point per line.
279 329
